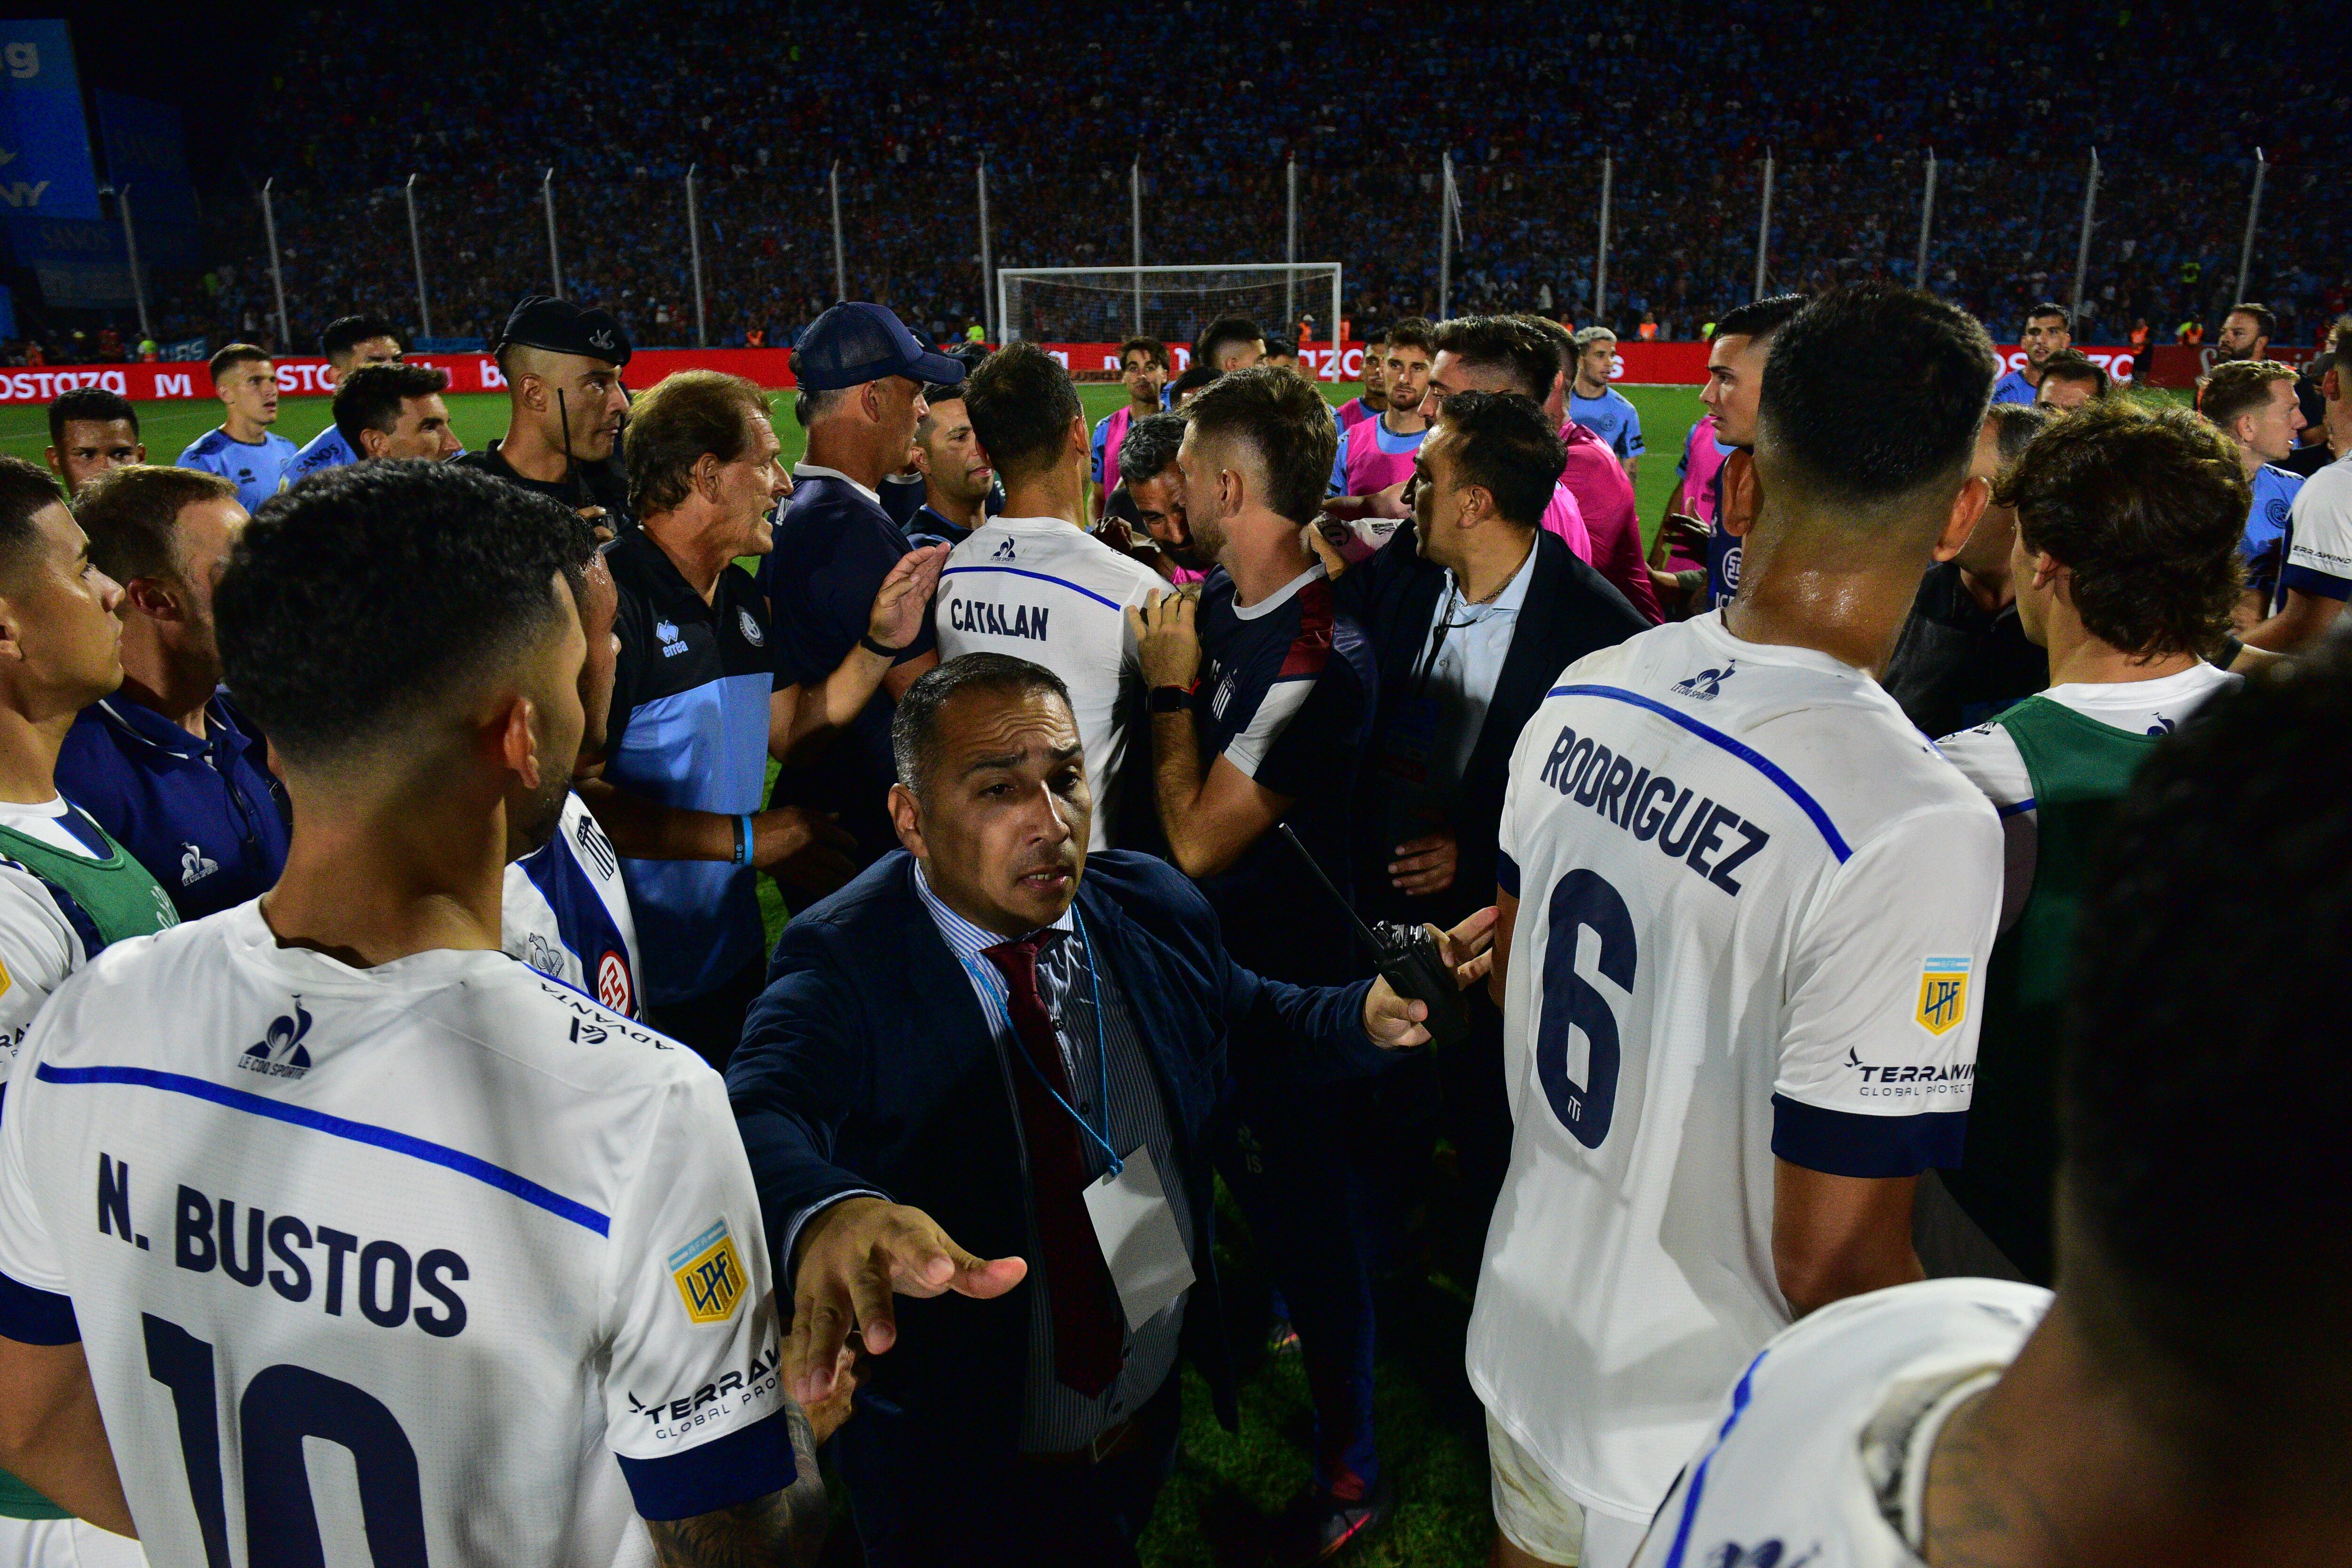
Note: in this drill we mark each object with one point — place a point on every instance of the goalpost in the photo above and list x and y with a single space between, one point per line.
1106 304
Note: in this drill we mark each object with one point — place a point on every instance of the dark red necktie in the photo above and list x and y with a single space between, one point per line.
1087 1334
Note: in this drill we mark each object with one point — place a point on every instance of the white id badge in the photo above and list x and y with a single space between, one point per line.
1137 1232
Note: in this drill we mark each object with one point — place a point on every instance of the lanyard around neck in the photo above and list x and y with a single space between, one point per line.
1102 1058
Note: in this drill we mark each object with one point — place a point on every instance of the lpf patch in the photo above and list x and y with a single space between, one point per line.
709 1275
1943 994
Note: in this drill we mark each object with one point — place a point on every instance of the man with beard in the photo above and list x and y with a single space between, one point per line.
2048 329
562 369
1261 698
2245 334
1155 486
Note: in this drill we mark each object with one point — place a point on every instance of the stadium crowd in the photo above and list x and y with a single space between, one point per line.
1239 794
2010 100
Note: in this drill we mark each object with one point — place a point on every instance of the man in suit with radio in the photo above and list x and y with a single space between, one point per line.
981 1077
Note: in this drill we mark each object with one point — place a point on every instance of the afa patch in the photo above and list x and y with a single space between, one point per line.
709 1275
1943 994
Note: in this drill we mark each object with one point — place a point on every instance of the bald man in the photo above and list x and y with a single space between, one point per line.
566 406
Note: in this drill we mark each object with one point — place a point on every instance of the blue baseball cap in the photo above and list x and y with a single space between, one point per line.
855 342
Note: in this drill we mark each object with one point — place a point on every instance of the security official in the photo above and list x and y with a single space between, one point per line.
562 367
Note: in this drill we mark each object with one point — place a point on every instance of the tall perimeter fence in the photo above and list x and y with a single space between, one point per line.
693 256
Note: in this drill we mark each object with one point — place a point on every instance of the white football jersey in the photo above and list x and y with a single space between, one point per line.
1994 764
396 1261
1753 903
565 911
1037 588
1819 1453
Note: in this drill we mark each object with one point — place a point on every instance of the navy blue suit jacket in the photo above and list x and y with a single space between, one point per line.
869 1063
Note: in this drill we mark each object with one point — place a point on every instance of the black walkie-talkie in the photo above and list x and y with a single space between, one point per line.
1407 957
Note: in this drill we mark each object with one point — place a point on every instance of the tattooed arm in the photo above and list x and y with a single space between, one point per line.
782 1529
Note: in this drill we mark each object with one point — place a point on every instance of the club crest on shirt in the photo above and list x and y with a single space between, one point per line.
1943 994
613 988
751 628
709 1275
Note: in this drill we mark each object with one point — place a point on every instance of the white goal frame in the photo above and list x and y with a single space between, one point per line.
1011 333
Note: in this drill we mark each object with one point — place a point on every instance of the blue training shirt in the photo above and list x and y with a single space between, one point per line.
205 816
689 730
256 468
1613 417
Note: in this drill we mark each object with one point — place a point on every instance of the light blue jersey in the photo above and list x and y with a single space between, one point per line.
1612 417
2014 388
2274 493
328 450
255 468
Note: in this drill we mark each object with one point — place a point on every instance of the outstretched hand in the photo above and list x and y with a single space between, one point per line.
904 599
855 1257
1395 1023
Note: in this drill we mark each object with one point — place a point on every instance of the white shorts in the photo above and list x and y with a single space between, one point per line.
1544 1521
65 1544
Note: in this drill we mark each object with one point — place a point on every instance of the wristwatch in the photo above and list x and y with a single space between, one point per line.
1173 698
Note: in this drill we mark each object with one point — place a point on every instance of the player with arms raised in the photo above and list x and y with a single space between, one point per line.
1745 903
366 1183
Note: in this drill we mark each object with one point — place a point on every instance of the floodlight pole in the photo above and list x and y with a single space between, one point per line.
2082 250
1926 218
277 274
2253 215
1290 254
1445 236
987 271
1764 227
694 249
131 248
1600 262
840 262
1134 211
554 259
416 250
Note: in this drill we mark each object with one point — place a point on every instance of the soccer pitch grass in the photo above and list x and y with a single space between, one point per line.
1667 413
1227 1486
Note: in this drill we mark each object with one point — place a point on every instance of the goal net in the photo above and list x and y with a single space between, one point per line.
1106 304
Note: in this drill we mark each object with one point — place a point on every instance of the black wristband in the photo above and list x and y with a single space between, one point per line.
1172 699
865 640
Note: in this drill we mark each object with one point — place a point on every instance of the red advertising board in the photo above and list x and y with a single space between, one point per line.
2178 365
1638 363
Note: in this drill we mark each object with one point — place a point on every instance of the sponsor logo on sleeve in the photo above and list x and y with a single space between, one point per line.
751 628
709 1275
1943 994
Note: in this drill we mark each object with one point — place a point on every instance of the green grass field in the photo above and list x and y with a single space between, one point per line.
1226 1486
1667 413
